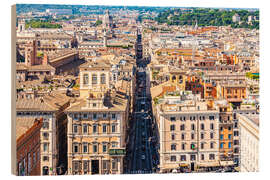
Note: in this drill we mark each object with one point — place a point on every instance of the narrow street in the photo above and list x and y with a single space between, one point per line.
143 153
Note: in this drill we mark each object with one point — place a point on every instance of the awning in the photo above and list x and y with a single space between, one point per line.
183 165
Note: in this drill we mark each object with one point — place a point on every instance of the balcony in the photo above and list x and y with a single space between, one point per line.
117 152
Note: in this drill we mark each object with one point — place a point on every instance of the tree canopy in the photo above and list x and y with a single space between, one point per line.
208 17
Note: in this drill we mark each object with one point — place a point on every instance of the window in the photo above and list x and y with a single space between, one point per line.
212 126
85 128
85 147
229 128
94 79
221 128
236 150
114 165
235 142
104 115
172 119
235 133
211 156
235 125
229 145
94 104
114 144
192 146
211 135
104 128
229 136
183 157
75 148
193 127
94 148
75 129
173 137
113 128
45 135
103 79
76 117
45 147
85 166
85 116
211 117
85 79
173 147
202 136
211 145
221 137
183 136
34 158
172 127
113 116
45 158
173 158
202 145
202 126
192 136
182 127
45 125
94 116
221 145
202 157
192 157
183 146
105 165
94 128
104 148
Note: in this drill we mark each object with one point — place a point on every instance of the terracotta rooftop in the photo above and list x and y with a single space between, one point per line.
23 124
50 102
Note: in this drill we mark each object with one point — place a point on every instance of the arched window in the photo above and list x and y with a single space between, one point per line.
103 79
180 78
173 78
85 79
45 170
94 79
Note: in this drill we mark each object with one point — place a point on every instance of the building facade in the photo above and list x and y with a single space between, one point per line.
97 123
28 146
249 142
189 136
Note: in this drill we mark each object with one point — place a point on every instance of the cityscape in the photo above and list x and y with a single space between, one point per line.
136 90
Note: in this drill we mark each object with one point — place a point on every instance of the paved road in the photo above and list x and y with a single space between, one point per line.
141 148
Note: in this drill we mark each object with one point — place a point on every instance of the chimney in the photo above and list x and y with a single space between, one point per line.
45 59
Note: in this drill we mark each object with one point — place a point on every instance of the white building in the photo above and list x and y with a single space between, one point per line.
249 142
236 18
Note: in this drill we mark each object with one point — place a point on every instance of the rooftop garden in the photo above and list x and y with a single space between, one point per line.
255 76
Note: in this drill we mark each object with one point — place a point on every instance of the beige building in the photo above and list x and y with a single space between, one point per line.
249 142
188 133
97 123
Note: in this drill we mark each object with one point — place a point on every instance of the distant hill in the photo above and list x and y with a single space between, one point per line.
209 17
